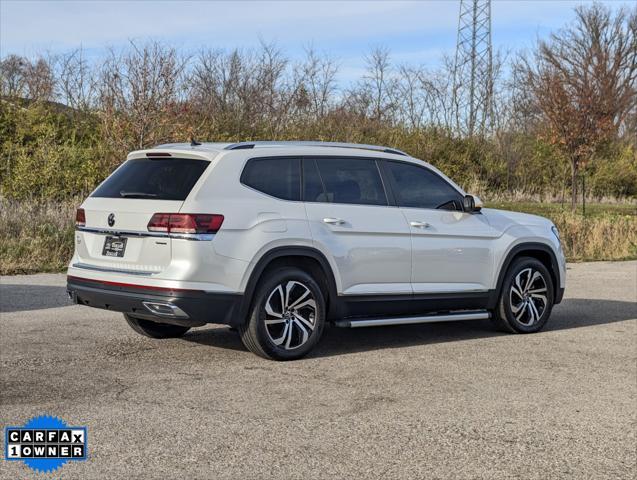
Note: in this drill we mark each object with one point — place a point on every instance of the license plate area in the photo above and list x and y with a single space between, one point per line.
114 246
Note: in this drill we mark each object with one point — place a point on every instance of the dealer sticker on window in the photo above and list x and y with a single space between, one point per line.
45 443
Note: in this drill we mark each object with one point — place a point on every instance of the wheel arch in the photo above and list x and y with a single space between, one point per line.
540 251
306 258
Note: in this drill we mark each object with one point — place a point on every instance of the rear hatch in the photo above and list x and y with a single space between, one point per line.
115 233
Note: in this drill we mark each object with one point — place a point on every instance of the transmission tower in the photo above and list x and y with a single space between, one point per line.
473 69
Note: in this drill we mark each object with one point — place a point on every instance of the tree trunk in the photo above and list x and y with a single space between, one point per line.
573 185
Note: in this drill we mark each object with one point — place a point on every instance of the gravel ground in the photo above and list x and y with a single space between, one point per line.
456 400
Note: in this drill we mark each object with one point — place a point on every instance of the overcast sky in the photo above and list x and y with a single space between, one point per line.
416 32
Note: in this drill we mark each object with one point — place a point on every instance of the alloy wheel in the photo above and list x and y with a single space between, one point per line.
528 296
290 314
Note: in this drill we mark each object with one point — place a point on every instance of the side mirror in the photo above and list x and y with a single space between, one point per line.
471 204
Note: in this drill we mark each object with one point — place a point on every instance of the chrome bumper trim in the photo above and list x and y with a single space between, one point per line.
111 270
133 233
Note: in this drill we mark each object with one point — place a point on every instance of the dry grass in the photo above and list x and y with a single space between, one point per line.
607 232
562 197
35 236
38 236
606 236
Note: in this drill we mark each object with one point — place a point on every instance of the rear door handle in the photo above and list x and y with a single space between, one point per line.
419 224
333 221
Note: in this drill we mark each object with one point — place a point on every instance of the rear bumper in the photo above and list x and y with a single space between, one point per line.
179 307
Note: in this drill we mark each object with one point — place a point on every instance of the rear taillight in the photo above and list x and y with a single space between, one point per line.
185 223
159 222
80 218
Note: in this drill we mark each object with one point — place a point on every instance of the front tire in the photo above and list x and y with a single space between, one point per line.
526 298
151 329
287 317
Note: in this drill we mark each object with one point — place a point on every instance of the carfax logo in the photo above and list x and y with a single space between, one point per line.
45 443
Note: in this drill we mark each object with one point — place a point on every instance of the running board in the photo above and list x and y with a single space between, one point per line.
448 317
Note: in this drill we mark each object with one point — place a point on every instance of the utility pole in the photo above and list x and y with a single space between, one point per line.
473 70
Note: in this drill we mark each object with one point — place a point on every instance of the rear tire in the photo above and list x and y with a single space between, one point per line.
526 297
151 329
287 316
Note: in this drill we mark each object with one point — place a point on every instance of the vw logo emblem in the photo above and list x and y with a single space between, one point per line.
111 220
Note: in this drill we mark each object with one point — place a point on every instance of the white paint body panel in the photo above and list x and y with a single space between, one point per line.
371 248
453 252
142 253
375 250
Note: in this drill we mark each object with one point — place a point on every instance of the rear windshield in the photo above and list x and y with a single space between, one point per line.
155 179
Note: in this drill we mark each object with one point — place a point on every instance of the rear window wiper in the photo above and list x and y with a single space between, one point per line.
126 194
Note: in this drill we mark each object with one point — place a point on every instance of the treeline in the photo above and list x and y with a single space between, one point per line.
566 110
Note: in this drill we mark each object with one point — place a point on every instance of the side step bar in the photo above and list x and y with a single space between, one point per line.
447 317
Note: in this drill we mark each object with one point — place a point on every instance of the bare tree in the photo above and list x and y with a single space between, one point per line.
317 76
379 83
39 79
419 97
207 95
581 82
411 98
12 81
76 80
245 90
272 65
444 76
141 94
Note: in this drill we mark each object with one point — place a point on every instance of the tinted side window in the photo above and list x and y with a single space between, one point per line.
419 187
278 177
355 181
312 185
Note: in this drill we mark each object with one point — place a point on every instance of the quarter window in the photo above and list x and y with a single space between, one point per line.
419 187
351 180
278 177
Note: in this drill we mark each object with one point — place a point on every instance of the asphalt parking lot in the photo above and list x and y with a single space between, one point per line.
456 400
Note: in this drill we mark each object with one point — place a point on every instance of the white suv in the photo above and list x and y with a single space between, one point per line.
278 238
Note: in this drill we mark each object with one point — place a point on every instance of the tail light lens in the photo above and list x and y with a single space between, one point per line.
159 222
80 218
185 223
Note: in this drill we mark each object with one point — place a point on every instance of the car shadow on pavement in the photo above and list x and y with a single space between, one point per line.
19 298
571 313
219 336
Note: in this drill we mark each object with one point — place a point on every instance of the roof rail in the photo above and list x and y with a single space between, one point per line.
360 146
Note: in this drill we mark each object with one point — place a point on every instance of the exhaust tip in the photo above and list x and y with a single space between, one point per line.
165 309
